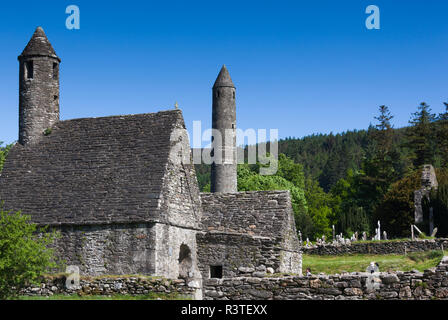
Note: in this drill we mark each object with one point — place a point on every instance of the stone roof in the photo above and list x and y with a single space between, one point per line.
92 170
39 46
223 79
256 213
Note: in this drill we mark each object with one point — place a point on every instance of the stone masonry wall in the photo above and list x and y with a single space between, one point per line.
430 285
249 230
108 249
237 254
378 247
113 285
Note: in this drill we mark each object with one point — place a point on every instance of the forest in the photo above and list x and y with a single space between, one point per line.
355 178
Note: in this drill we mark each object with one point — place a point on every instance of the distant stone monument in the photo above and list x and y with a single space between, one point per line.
429 181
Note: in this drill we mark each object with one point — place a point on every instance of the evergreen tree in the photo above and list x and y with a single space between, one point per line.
442 135
421 136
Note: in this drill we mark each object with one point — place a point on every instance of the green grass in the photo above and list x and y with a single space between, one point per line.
149 296
359 262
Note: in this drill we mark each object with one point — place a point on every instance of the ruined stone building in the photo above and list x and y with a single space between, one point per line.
122 204
428 183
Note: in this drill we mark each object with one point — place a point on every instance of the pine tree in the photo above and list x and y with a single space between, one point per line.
442 135
421 136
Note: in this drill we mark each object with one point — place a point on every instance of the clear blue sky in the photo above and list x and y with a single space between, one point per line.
300 66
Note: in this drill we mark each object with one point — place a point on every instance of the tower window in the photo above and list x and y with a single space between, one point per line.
217 94
55 71
216 272
29 72
233 94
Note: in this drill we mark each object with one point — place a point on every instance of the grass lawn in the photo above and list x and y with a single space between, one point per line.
359 262
150 296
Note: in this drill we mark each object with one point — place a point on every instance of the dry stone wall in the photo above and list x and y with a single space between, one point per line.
114 285
430 285
377 247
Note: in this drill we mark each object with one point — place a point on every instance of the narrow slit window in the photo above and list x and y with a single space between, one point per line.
55 71
216 272
233 94
29 72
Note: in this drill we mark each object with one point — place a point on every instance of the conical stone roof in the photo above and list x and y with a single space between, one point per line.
223 79
39 46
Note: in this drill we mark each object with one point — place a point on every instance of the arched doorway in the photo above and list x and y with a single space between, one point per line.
185 262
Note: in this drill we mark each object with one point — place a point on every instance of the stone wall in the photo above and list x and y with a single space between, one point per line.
256 213
429 285
238 254
432 284
377 247
108 249
248 231
115 285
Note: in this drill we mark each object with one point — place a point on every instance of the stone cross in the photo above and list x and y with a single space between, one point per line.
307 242
379 230
434 232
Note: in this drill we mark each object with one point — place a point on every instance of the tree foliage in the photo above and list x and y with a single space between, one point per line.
288 177
25 252
3 153
421 136
396 211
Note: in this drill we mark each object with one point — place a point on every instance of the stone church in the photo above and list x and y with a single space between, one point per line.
121 204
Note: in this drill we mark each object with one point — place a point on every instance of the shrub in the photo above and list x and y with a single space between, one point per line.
24 252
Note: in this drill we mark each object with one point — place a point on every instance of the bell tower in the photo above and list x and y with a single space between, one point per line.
38 88
223 173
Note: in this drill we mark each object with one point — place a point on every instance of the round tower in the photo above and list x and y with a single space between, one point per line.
223 171
38 88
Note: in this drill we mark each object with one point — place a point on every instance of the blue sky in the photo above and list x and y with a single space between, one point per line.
302 67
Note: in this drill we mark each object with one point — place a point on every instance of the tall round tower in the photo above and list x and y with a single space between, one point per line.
223 173
38 88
